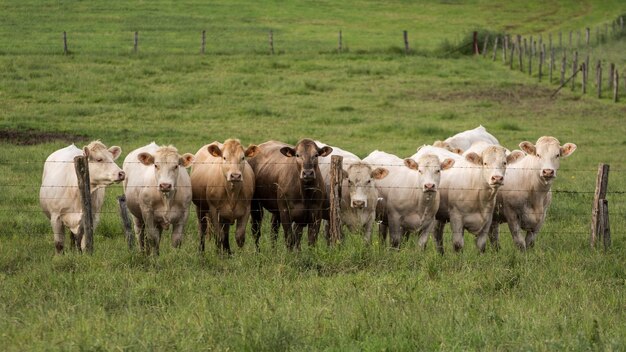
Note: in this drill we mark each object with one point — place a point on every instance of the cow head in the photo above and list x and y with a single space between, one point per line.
493 162
166 162
306 153
103 170
448 147
429 169
548 153
360 178
233 158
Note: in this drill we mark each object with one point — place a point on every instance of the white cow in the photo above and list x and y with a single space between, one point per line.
409 193
158 193
524 199
462 141
468 190
59 195
359 194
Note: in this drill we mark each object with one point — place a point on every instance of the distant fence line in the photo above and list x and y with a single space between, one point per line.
563 62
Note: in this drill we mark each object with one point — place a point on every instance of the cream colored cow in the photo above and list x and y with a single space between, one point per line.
59 196
523 200
158 193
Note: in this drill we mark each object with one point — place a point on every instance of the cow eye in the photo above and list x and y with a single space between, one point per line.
558 155
297 155
504 163
438 171
99 160
369 181
224 158
243 158
156 166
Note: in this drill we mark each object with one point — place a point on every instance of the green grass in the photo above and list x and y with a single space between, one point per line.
561 295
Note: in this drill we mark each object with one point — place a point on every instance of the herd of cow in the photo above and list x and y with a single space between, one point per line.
460 180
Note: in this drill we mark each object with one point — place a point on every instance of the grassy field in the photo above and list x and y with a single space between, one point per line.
561 295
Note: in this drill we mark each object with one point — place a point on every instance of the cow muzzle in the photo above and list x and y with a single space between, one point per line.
430 187
358 204
120 176
165 187
307 174
548 174
235 177
497 180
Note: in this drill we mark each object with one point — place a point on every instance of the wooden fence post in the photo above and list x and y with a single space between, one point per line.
570 40
605 227
136 42
475 44
203 45
64 43
512 53
336 180
519 54
541 54
560 40
563 64
584 79
551 63
610 76
485 45
574 68
587 34
495 48
599 78
271 42
505 47
602 181
340 48
81 165
128 232
405 35
615 86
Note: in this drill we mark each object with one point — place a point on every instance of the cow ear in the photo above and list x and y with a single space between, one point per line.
379 173
214 150
567 149
86 151
447 163
145 158
474 158
528 148
116 151
515 156
288 151
186 160
439 144
410 163
325 151
252 151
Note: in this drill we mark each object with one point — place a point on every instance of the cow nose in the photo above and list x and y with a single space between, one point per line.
308 173
236 176
165 187
358 204
429 187
547 173
497 179
121 176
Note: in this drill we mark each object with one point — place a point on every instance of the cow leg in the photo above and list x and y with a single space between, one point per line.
139 228
150 230
224 232
215 228
74 244
275 225
297 236
530 239
59 233
423 234
313 230
240 230
494 235
382 232
203 223
367 232
285 221
481 239
177 233
256 213
517 235
395 231
438 234
456 224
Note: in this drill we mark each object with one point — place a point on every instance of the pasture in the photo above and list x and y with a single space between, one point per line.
560 295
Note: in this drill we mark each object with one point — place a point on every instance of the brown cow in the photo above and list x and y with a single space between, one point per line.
222 185
290 186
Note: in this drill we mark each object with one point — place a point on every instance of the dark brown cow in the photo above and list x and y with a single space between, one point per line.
290 186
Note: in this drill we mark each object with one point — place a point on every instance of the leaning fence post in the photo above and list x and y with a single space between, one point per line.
615 86
203 46
64 43
128 232
405 35
602 181
336 180
136 42
81 165
271 42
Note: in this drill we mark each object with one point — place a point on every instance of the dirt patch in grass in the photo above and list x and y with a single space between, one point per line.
32 137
